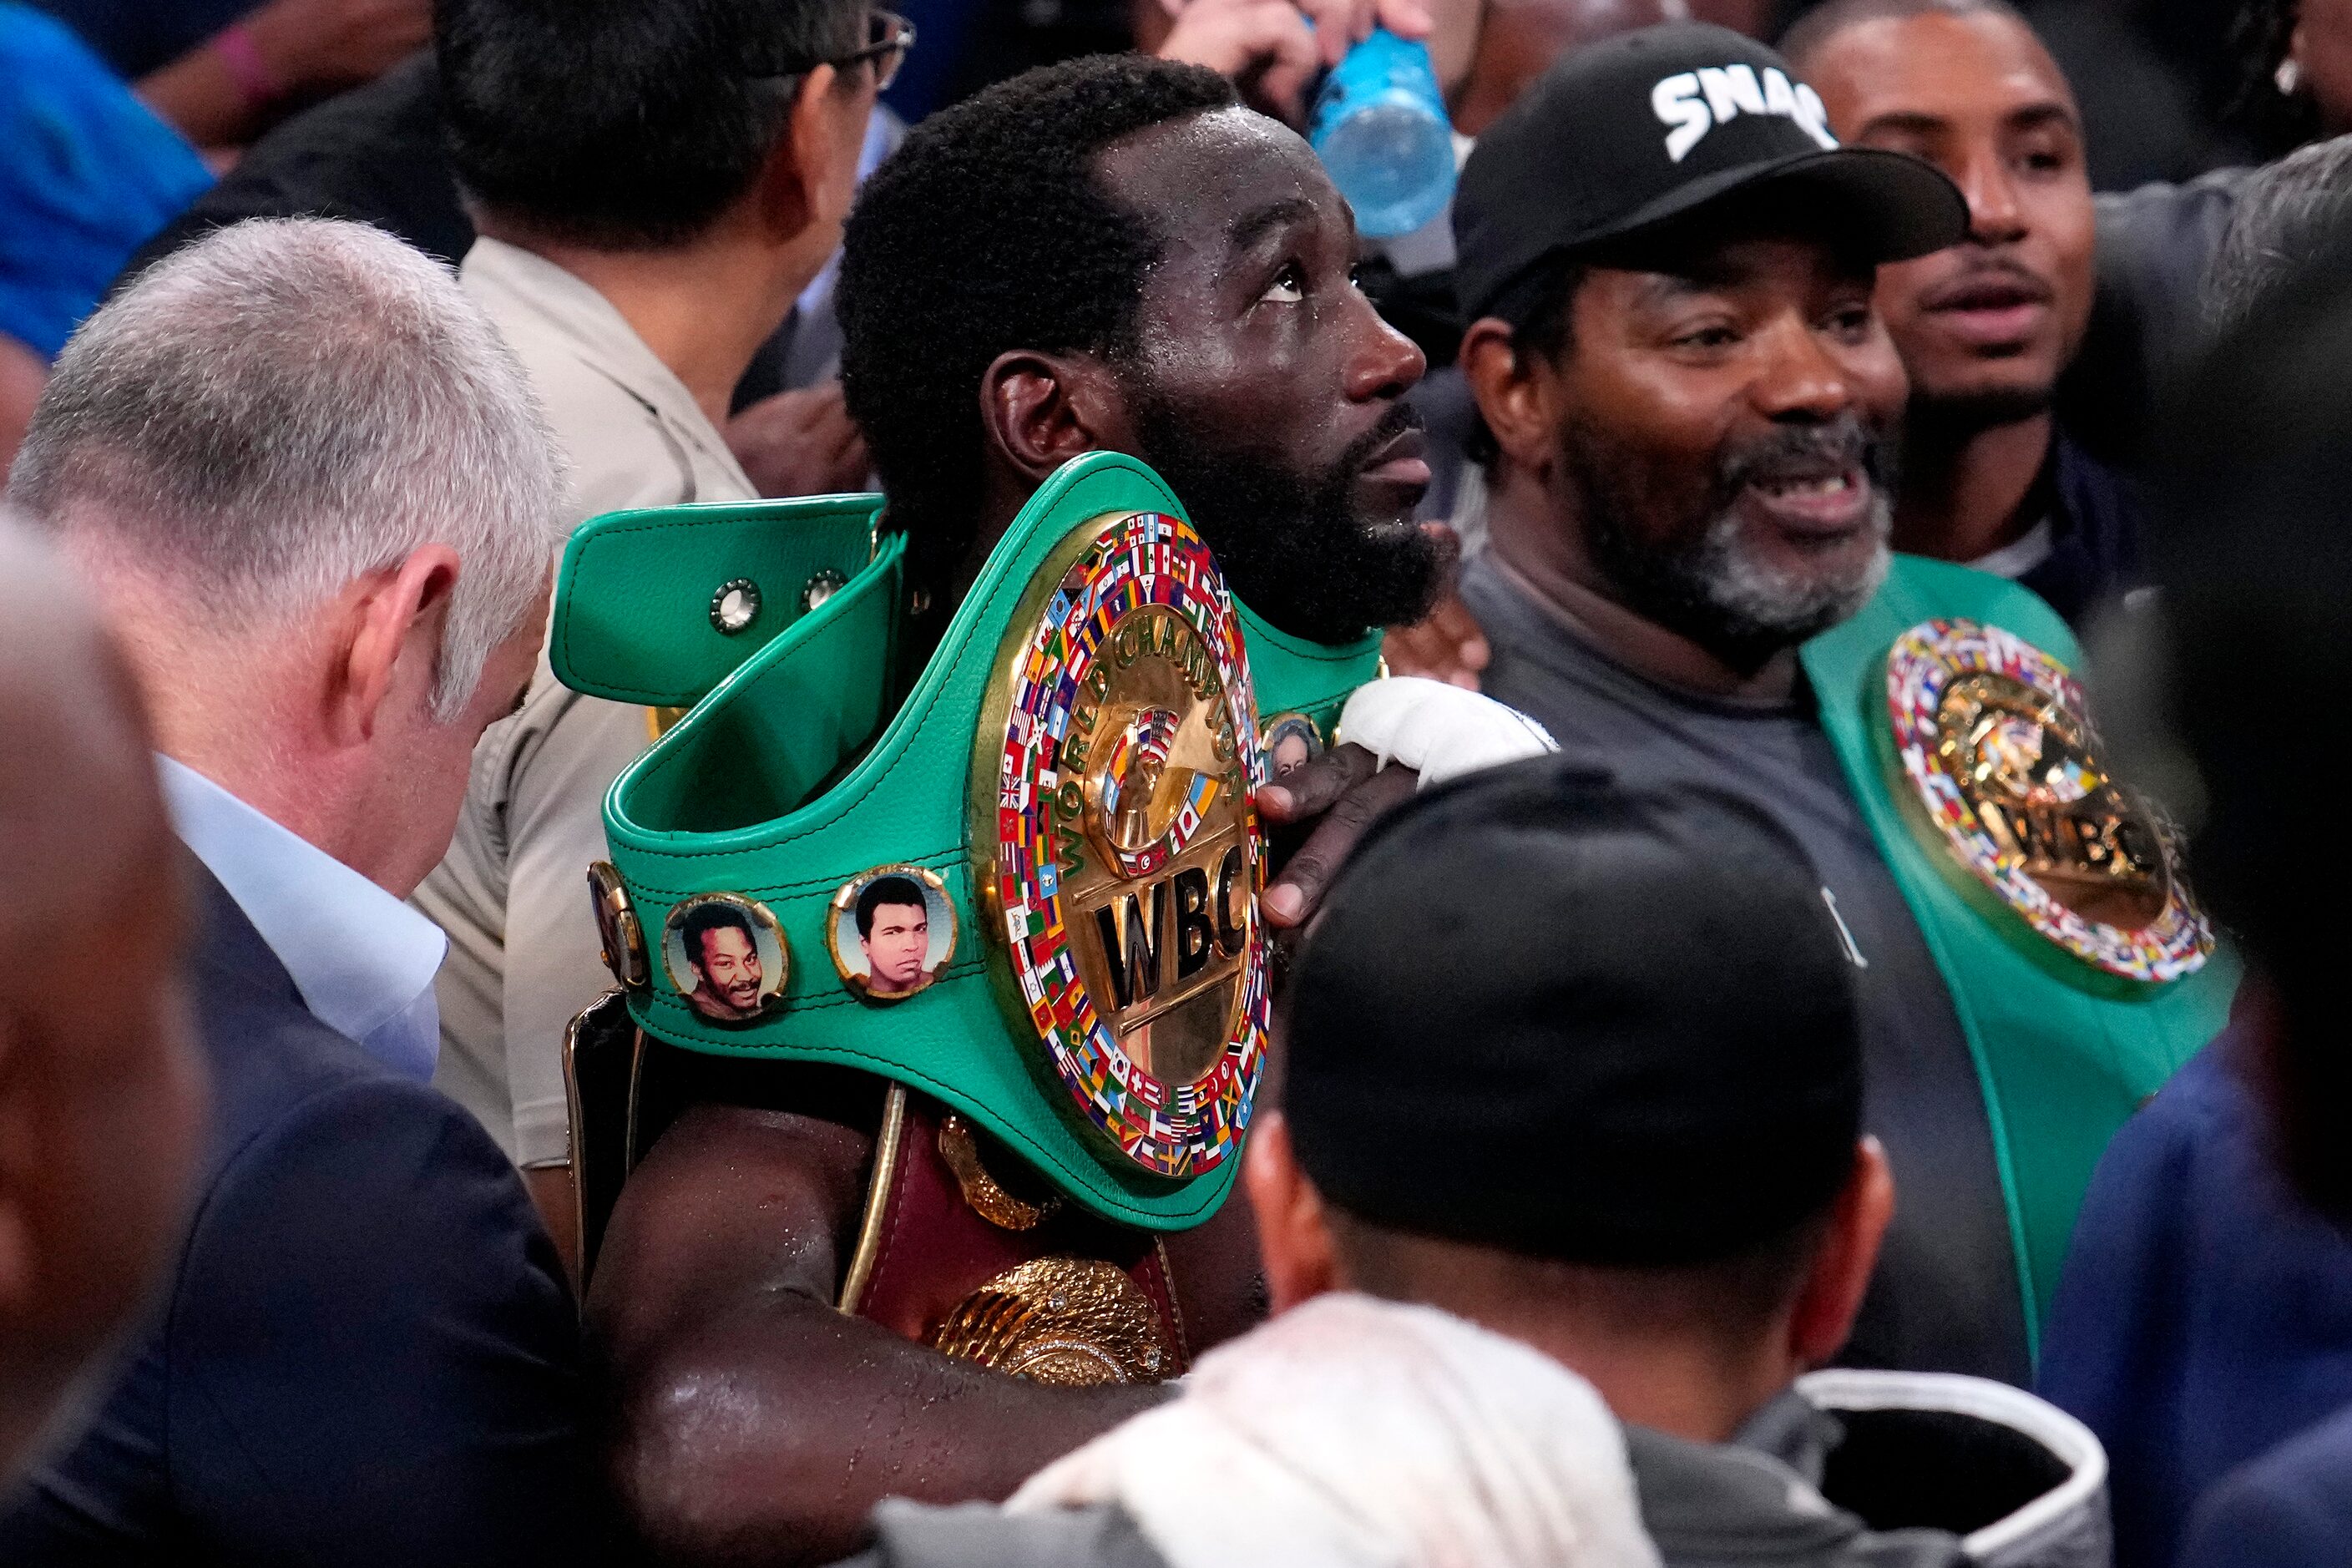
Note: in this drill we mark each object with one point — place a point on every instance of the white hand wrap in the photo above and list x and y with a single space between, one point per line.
1440 731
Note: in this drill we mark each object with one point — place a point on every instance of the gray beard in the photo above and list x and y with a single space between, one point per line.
1757 605
1710 588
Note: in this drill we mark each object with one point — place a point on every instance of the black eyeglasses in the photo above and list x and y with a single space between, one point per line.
888 37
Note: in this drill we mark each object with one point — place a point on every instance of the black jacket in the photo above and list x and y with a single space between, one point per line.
2095 530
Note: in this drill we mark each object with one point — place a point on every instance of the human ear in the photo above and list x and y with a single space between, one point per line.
390 636
1511 397
821 136
1293 1232
1849 1253
1042 410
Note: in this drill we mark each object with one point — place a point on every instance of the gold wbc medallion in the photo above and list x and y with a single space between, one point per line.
1114 842
1999 753
1155 901
619 933
1066 1323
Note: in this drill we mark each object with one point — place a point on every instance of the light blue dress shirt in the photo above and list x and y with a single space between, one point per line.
362 960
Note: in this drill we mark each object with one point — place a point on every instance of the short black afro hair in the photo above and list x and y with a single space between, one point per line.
881 890
985 232
623 125
709 917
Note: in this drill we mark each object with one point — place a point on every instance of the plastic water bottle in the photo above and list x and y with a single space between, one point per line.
1378 124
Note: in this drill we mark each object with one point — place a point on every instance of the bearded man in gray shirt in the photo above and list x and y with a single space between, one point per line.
1690 401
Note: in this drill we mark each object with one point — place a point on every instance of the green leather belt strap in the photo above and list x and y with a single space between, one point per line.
633 601
1295 675
2063 1051
791 777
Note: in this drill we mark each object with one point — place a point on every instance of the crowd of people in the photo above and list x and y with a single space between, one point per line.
856 801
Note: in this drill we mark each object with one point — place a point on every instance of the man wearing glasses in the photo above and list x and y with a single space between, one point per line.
653 186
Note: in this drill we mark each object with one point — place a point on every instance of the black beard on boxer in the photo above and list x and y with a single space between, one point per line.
1293 544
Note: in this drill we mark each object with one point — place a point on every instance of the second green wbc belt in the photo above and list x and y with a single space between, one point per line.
1030 890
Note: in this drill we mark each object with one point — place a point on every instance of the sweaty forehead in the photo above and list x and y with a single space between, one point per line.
1202 178
1937 65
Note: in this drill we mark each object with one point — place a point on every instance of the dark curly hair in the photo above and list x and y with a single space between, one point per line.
707 919
881 890
621 124
987 231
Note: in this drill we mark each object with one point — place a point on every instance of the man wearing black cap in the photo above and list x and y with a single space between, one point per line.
1660 1189
1669 265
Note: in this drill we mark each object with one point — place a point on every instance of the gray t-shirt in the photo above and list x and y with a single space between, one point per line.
1945 1295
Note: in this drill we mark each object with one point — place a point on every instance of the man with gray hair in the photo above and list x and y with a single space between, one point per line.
312 493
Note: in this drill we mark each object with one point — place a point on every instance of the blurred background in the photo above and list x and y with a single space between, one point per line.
2168 88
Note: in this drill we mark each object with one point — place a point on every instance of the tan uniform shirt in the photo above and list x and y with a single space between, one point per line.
512 893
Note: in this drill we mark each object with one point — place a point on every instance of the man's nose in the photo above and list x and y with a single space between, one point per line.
1386 363
1996 217
1799 380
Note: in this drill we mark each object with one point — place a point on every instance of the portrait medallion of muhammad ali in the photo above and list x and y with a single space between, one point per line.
1994 738
891 931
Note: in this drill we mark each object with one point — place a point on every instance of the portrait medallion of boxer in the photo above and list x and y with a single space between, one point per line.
726 955
1996 742
1111 798
1290 741
890 932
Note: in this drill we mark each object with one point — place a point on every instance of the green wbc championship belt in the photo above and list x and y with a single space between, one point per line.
2051 896
1028 889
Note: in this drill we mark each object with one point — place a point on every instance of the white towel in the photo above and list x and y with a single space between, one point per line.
1355 1433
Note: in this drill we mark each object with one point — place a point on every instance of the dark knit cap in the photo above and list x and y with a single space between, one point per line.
1550 1012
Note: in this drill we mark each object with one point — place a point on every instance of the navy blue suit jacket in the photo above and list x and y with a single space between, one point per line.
2205 1314
2290 1509
366 1352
